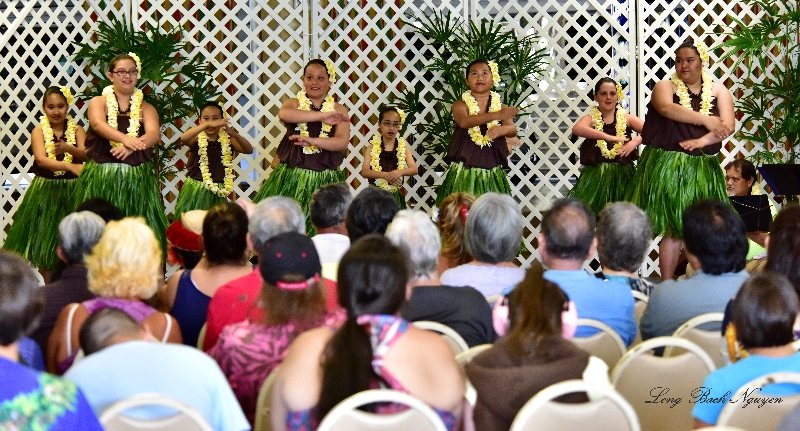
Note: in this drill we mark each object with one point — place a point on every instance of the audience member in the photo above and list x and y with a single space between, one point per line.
327 211
533 355
565 242
373 348
462 308
124 269
764 312
185 239
716 245
293 298
105 209
77 234
783 245
370 212
624 234
493 236
122 362
31 400
740 175
452 220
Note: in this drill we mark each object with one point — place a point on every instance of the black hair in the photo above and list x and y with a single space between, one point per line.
688 43
51 91
329 204
568 228
318 62
474 62
764 311
783 254
225 233
370 212
107 211
747 169
211 104
600 82
715 234
21 300
385 110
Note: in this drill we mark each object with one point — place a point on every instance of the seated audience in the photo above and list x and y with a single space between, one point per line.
373 348
451 221
124 269
370 212
122 361
462 308
764 312
327 211
624 234
783 245
716 245
105 209
293 298
189 291
238 299
493 236
77 234
565 243
533 355
185 240
29 399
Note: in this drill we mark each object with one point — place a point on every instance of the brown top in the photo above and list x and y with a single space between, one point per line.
99 149
590 152
215 167
46 173
666 134
462 149
293 155
388 159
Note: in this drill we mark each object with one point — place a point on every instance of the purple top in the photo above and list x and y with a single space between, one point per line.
488 280
666 134
293 155
591 155
99 149
463 150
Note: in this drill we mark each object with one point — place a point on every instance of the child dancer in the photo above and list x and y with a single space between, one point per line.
388 157
483 133
212 144
58 155
608 152
317 134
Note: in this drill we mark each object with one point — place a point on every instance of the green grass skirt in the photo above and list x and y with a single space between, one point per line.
133 189
195 196
34 229
604 183
298 184
476 181
667 182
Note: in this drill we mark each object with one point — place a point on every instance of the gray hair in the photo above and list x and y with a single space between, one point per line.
623 233
494 228
329 205
78 233
273 216
414 233
105 327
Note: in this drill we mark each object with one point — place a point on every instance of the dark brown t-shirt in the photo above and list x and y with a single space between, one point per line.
99 149
293 155
462 149
666 134
591 155
46 173
214 151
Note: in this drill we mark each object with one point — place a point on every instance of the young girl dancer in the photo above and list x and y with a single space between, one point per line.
124 129
58 153
608 152
317 134
388 158
483 133
212 144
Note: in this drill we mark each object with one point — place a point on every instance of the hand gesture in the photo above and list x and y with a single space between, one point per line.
628 148
718 127
692 144
299 140
494 133
514 141
508 112
392 176
122 152
59 147
134 144
334 118
222 122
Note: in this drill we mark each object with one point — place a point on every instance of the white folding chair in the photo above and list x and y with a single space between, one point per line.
760 417
606 344
463 359
264 402
542 413
346 417
638 311
187 418
454 340
201 336
707 340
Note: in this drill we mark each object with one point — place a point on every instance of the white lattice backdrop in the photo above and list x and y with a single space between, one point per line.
258 47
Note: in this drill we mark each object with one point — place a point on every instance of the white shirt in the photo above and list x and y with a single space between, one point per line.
331 246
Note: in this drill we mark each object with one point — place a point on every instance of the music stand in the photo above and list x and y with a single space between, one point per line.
755 212
783 179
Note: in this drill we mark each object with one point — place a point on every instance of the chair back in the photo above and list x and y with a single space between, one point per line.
606 344
638 311
652 384
707 340
463 359
542 413
187 418
758 417
202 336
263 418
454 340
345 417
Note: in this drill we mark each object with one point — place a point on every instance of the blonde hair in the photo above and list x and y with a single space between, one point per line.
452 226
126 262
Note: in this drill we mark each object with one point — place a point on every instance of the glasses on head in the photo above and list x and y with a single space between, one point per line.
390 124
123 72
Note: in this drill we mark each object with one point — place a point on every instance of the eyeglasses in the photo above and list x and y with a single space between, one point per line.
122 72
390 124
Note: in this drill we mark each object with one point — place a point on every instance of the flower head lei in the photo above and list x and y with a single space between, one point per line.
706 97
227 163
473 109
112 106
137 61
495 73
70 129
304 104
331 71
402 115
375 159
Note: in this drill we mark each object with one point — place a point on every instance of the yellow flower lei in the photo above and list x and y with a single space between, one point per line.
706 97
113 110
474 109
495 73
304 104
49 138
331 71
621 121
375 160
227 162
67 95
137 61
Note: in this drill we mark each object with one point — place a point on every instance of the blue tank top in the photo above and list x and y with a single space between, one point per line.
190 308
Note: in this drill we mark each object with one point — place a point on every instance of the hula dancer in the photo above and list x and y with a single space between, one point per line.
388 157
317 134
212 147
123 130
58 152
608 152
688 118
482 139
